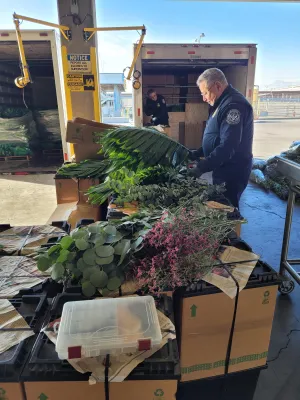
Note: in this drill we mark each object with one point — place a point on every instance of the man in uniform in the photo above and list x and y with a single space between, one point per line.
156 107
228 136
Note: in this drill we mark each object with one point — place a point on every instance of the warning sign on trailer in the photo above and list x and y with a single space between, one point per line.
80 83
79 63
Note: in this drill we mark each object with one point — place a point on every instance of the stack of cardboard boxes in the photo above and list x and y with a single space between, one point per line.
71 195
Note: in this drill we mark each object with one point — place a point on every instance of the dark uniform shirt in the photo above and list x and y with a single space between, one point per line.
228 136
158 109
227 143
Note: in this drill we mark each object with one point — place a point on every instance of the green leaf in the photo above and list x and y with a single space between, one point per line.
104 260
99 279
89 257
104 251
72 256
57 271
137 243
81 265
54 249
63 256
89 271
110 230
81 244
124 251
43 263
94 228
71 266
108 268
105 292
77 273
113 239
99 240
114 283
119 248
79 233
88 289
66 242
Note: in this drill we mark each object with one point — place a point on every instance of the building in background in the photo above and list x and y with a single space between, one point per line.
115 101
277 103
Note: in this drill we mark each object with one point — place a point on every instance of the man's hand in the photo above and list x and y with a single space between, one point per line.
194 172
195 154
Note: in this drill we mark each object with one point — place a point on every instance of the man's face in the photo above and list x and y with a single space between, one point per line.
153 96
210 93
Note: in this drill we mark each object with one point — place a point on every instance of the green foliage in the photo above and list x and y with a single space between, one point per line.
85 169
97 256
12 112
123 180
170 194
136 148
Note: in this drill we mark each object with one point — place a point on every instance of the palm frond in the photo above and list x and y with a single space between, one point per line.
138 147
85 169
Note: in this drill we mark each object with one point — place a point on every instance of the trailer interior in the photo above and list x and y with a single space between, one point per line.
176 81
39 97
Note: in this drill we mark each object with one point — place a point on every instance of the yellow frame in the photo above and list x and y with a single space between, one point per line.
22 81
62 28
124 28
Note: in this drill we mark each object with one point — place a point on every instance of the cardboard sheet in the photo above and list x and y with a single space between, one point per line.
17 273
11 319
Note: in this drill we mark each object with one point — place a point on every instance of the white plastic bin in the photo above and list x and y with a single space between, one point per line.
91 328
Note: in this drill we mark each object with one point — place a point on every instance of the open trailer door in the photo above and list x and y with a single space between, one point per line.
172 71
47 90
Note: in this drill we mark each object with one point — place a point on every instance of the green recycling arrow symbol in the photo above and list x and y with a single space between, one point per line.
193 311
42 396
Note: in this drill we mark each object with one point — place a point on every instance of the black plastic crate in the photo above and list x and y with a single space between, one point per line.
64 225
234 240
84 222
49 287
44 364
235 386
262 275
33 309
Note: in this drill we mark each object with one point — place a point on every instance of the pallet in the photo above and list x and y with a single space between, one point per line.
9 160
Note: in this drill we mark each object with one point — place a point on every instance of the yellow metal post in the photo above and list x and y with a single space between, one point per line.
137 52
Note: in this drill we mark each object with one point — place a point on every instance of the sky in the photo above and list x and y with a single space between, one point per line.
274 27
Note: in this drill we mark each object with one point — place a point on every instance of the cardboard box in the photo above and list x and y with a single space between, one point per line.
128 390
80 132
84 212
66 190
205 329
195 115
73 212
11 391
83 186
174 119
70 190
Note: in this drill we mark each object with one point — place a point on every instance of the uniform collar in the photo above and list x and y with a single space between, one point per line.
223 95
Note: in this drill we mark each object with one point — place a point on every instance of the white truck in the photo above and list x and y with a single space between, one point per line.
43 54
172 70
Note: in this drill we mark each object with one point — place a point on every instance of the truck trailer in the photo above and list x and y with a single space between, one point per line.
44 96
172 71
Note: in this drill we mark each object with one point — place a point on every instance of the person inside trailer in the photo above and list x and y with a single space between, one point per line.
156 107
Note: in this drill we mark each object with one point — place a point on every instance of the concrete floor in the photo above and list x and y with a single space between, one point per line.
265 214
26 199
271 137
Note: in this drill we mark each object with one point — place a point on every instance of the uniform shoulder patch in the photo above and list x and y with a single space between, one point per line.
233 117
163 101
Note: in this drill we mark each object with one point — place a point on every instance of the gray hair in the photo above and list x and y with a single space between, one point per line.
212 75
